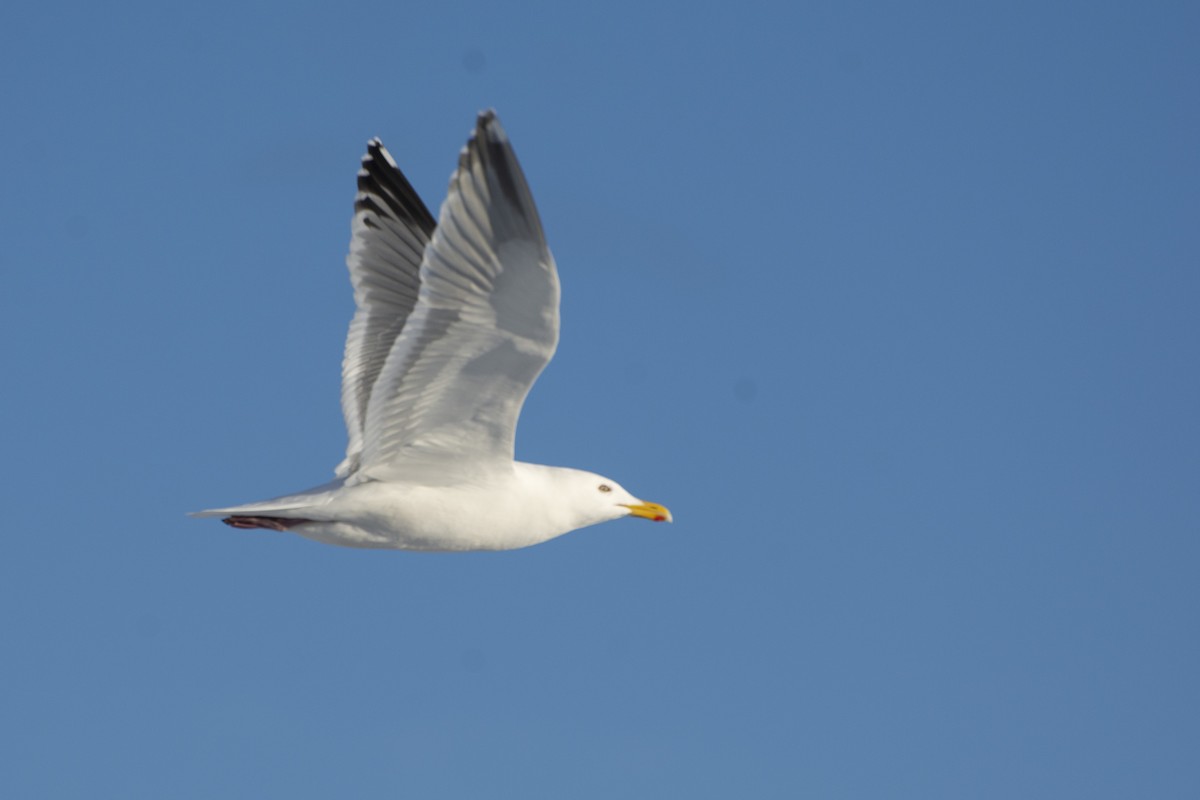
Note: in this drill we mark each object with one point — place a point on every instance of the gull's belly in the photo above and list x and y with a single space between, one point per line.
412 517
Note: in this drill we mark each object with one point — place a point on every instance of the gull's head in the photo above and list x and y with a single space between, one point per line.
566 499
602 499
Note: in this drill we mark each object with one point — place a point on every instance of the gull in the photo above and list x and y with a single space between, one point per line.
455 320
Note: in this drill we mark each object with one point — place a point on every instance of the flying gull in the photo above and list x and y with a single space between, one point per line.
456 319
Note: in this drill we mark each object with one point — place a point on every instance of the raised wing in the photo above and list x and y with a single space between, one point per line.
484 326
390 231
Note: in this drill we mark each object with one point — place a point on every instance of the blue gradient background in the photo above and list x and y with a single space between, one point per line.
894 305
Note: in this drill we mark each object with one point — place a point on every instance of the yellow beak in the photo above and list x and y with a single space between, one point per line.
649 511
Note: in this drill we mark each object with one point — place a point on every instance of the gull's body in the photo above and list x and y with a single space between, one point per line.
455 321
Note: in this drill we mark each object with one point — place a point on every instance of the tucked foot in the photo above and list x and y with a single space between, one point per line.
271 523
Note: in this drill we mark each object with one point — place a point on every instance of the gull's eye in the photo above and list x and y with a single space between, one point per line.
604 487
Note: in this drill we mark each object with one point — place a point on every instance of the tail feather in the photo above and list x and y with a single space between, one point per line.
290 506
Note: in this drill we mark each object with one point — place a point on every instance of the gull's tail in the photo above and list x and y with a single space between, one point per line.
279 513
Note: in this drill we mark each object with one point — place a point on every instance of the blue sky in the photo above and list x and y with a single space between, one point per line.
894 305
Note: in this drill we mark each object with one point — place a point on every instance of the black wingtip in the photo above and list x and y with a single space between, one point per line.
377 152
379 179
488 127
490 148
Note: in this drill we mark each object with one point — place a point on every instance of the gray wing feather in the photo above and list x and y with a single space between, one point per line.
389 234
484 326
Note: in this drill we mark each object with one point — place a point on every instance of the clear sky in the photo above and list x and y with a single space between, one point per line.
895 305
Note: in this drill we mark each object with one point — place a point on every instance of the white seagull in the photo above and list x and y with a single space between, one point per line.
456 318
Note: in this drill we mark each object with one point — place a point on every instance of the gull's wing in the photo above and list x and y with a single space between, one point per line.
484 325
389 233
